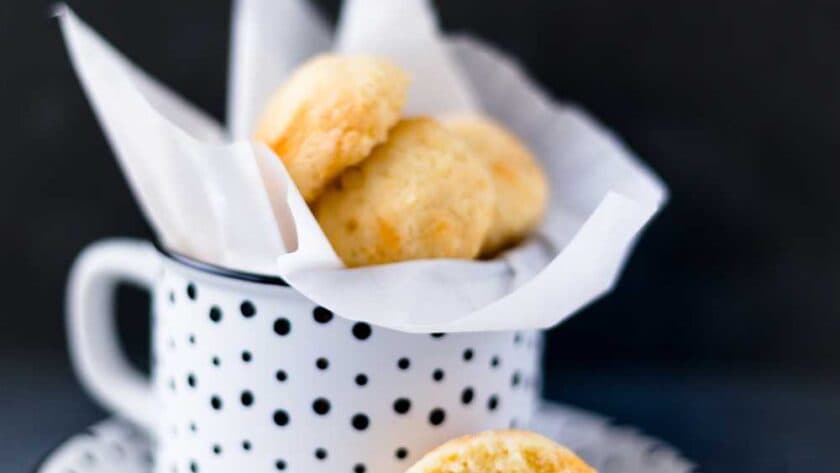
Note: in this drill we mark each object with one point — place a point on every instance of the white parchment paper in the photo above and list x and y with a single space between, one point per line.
407 33
269 39
233 204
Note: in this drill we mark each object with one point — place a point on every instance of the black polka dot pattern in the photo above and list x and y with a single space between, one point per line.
472 380
247 309
281 418
360 422
282 327
437 416
215 314
402 405
322 315
361 331
467 395
247 398
321 406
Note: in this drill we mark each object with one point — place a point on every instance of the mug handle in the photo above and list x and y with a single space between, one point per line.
100 363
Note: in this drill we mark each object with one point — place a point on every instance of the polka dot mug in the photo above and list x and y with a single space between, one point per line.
250 375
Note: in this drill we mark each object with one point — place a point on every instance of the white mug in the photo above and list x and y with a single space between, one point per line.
250 375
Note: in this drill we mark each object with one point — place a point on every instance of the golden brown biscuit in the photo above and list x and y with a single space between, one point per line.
330 114
421 194
521 186
508 451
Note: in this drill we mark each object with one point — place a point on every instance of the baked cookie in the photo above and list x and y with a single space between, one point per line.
421 194
521 185
508 451
330 114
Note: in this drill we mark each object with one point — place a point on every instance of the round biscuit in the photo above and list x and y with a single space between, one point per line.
508 451
330 114
421 194
520 183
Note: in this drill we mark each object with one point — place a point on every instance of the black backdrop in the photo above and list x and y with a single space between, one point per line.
721 337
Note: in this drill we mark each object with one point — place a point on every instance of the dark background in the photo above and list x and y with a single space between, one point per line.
723 336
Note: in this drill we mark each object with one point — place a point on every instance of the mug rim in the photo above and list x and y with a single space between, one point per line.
217 270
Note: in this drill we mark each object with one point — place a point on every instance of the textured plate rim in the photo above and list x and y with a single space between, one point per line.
546 405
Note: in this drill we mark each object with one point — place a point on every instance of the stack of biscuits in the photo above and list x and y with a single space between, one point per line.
386 188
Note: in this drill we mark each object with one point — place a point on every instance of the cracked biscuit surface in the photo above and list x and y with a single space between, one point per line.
520 184
508 451
421 194
330 114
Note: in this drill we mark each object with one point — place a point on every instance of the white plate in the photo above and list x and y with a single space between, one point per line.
114 446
